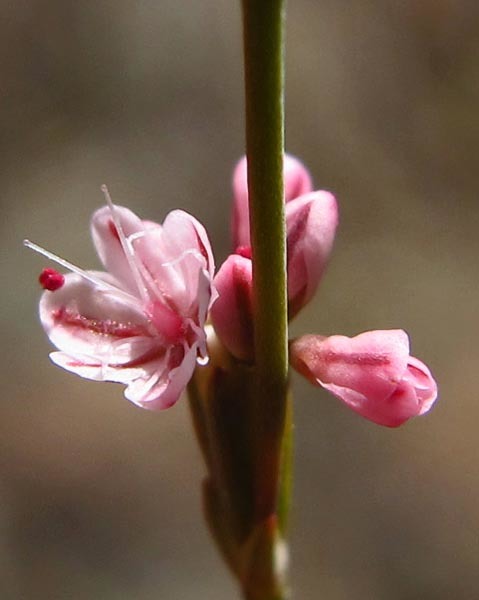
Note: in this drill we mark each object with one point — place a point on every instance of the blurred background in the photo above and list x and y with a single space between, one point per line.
100 500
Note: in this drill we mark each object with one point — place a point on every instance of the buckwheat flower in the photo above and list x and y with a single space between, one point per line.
371 373
140 323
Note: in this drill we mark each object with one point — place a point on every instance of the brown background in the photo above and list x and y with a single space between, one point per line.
100 500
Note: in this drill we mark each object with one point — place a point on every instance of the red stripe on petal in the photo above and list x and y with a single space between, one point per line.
202 248
114 230
108 327
77 363
355 358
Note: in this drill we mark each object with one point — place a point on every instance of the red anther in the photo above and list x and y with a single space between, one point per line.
51 280
244 251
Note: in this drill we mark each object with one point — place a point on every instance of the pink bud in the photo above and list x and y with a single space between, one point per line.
311 222
297 181
232 312
372 373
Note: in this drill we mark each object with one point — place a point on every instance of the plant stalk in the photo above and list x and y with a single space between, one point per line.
263 29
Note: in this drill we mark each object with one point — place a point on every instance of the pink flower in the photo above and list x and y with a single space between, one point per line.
141 323
371 373
311 222
297 181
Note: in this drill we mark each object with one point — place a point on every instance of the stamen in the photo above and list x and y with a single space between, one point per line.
127 248
74 269
184 254
154 286
51 280
147 276
169 263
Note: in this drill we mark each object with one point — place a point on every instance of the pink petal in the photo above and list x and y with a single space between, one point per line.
297 181
183 232
90 368
311 222
155 385
108 327
108 245
420 377
391 411
232 313
173 257
163 385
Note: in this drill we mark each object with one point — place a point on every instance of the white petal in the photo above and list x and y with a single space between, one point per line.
174 257
162 388
81 319
96 371
108 244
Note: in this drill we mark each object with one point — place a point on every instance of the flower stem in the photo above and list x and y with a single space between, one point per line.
263 29
242 412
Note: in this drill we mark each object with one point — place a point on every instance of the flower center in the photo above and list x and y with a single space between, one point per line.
167 322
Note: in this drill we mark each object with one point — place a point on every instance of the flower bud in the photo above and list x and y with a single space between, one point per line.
371 373
232 313
297 181
311 222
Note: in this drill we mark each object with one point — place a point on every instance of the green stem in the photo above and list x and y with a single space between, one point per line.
263 27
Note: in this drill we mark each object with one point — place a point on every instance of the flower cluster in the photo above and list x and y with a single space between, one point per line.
371 373
311 220
142 322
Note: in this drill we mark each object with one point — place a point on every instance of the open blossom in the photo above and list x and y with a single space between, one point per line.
371 373
141 323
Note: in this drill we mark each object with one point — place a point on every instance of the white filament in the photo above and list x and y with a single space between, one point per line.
71 267
127 248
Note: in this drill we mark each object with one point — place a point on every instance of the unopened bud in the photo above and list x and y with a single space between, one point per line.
232 313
